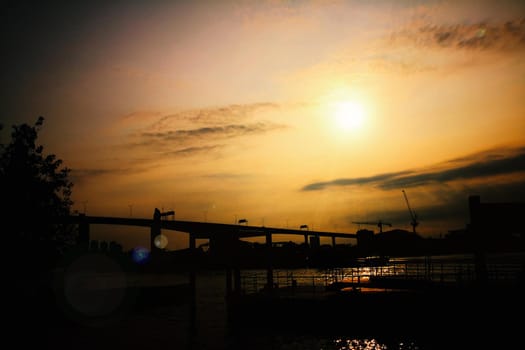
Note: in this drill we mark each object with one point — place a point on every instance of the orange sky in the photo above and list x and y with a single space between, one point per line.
281 112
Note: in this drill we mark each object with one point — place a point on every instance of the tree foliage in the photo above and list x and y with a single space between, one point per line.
35 188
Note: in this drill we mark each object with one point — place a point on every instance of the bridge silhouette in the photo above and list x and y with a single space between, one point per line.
223 238
196 229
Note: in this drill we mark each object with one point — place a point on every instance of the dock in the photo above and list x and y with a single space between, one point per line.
377 300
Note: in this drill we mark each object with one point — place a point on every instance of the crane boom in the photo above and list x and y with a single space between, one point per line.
413 215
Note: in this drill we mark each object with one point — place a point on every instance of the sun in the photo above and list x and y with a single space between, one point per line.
349 115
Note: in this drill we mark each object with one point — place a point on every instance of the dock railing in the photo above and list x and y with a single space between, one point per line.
438 273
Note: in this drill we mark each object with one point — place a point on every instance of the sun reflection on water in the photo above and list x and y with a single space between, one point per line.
333 343
367 344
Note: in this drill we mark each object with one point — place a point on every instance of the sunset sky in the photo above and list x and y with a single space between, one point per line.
280 112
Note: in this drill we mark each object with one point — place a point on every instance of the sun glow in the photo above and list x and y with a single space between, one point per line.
349 115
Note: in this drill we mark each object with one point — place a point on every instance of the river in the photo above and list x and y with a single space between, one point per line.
172 325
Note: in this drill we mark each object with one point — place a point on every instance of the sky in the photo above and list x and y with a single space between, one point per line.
282 113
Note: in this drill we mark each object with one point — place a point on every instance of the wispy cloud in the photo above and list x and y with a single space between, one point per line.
479 166
454 45
481 169
188 151
216 115
215 132
148 139
507 35
370 180
199 131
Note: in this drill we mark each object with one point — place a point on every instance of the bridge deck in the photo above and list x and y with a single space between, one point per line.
201 229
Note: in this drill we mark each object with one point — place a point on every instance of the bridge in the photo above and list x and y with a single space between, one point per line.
196 230
223 238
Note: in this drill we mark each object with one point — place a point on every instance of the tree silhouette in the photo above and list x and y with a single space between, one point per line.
35 188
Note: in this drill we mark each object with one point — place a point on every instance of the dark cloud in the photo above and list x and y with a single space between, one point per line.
218 115
354 181
188 151
215 132
481 169
486 156
508 35
482 165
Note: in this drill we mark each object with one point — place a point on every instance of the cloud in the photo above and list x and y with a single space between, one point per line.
198 131
434 45
475 170
494 162
188 151
353 181
148 139
495 36
214 132
216 115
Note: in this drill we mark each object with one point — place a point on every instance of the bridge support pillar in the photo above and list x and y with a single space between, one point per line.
236 257
192 264
333 241
233 271
479 240
155 231
269 264
306 239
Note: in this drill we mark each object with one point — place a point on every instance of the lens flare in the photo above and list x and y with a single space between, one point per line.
161 241
94 287
140 255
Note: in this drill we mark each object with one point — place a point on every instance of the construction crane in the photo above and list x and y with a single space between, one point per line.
413 214
379 224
